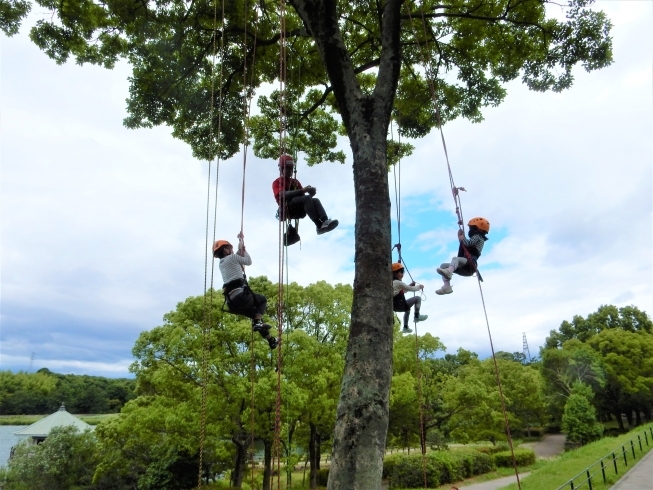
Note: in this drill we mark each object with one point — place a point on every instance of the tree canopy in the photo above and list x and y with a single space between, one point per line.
610 352
469 49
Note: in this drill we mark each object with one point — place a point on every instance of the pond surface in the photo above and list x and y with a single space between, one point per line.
7 440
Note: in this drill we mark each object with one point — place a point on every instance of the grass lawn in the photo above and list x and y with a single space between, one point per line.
555 472
91 419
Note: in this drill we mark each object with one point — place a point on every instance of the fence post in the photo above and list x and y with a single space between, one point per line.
572 484
603 471
589 478
632 446
639 439
623 452
614 460
646 437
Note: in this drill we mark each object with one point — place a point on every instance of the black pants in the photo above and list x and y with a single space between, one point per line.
299 207
248 303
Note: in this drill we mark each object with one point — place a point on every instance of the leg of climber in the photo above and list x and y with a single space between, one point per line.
315 211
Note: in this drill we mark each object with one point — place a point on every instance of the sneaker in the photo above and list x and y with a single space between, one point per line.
444 272
407 330
421 318
444 290
273 342
327 226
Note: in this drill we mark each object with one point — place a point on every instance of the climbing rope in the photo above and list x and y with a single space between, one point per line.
209 308
397 188
282 228
397 192
420 394
455 191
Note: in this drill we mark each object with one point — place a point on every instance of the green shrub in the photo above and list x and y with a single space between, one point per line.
524 457
441 467
322 477
389 464
493 449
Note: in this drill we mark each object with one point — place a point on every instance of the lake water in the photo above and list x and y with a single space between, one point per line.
7 440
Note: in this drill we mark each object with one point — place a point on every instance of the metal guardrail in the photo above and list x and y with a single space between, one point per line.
611 460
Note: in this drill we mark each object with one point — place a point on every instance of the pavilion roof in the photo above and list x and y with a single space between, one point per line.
59 418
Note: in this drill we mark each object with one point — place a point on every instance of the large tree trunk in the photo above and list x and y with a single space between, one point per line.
362 413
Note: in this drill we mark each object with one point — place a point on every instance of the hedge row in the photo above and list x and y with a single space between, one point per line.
493 449
524 457
406 471
442 467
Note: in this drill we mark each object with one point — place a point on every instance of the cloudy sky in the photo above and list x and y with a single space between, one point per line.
102 228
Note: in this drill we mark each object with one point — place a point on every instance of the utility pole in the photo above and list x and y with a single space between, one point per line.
526 352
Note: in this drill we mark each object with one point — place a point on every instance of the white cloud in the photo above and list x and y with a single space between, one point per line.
103 227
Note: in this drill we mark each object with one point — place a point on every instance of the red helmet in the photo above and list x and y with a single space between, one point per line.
286 161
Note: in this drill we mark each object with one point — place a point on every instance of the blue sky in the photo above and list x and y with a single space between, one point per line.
102 228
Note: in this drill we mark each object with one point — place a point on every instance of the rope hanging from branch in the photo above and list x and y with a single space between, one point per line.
283 125
455 191
208 306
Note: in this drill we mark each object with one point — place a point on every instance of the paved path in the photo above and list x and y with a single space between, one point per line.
639 477
494 484
551 445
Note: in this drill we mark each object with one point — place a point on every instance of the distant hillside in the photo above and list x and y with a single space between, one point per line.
43 392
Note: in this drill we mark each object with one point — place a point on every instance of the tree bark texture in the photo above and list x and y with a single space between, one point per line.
362 414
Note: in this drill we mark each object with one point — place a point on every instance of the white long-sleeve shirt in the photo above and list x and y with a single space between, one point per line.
231 266
398 286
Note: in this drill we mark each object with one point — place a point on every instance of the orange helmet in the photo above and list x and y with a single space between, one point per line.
218 244
397 266
480 223
286 161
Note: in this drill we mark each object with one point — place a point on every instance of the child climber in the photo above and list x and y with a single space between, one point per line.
299 201
399 301
240 299
478 229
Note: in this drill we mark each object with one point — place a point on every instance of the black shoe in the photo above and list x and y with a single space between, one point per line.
273 342
261 327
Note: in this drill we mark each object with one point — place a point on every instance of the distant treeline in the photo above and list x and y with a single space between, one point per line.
43 392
